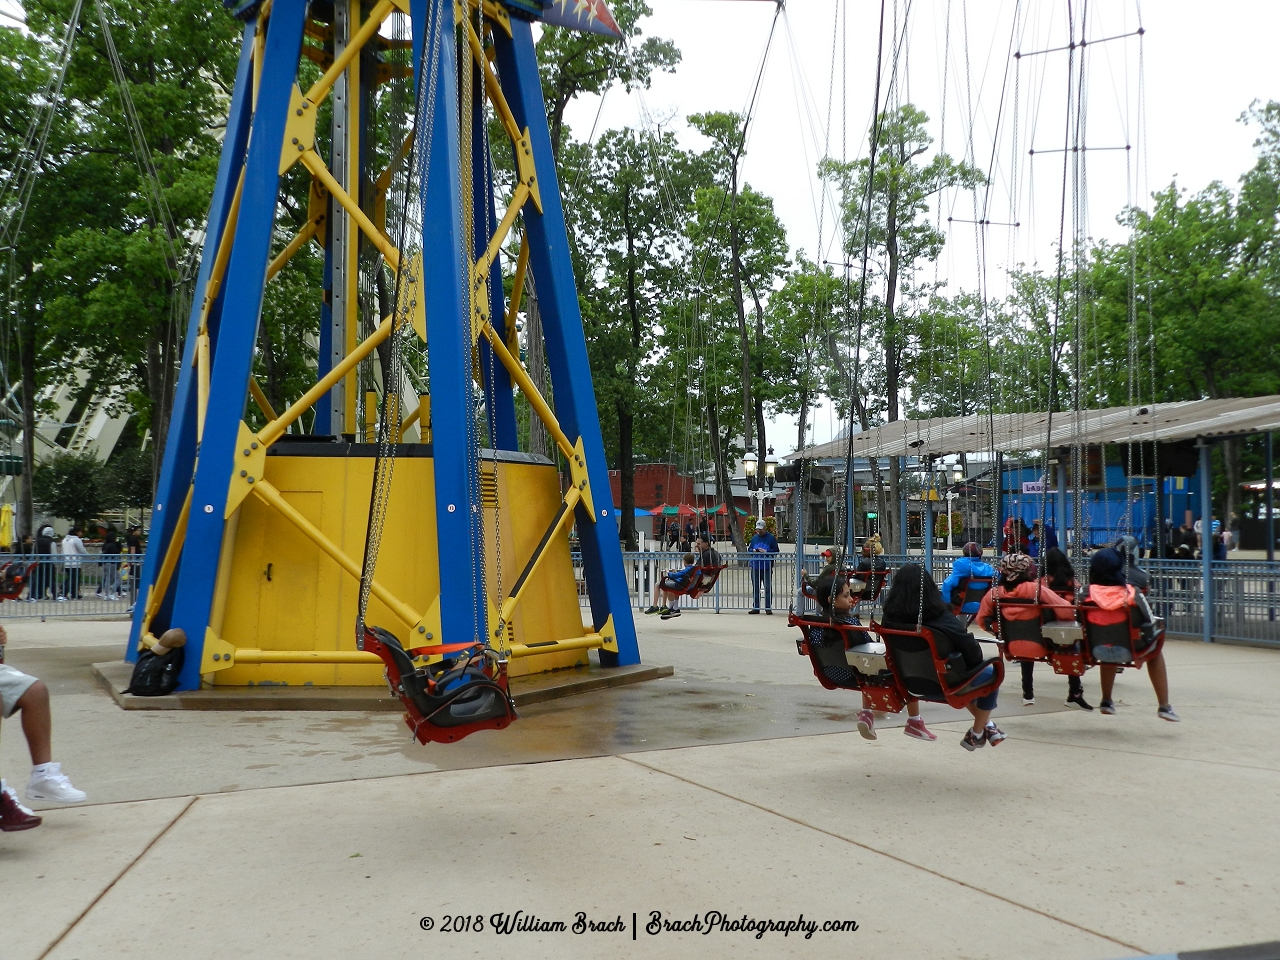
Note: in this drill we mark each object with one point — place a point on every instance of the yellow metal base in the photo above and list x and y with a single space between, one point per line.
279 594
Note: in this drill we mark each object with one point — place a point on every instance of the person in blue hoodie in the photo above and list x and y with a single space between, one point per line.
967 566
763 548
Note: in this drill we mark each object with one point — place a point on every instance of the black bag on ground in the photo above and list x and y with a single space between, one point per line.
156 676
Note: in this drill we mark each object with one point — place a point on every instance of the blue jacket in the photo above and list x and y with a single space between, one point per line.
962 568
762 541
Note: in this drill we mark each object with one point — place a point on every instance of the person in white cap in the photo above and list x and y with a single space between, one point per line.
21 692
763 546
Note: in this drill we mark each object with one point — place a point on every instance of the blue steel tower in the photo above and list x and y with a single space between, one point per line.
258 530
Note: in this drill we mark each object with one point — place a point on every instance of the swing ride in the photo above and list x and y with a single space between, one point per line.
259 531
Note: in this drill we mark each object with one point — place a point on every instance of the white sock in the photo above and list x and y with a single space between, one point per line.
990 724
42 768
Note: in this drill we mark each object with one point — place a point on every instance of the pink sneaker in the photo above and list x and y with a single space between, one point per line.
915 728
867 724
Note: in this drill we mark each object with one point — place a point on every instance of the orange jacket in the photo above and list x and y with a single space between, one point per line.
1026 590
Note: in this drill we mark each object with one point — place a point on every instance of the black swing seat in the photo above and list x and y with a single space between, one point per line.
1115 637
873 580
1056 642
846 657
924 674
446 701
13 578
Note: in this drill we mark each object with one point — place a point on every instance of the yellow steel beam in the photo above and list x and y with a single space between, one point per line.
161 586
273 430
219 268
517 289
522 193
525 383
261 400
571 499
296 244
592 641
491 85
318 170
270 495
248 655
203 374
369 29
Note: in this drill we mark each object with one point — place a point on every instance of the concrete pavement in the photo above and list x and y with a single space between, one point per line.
737 785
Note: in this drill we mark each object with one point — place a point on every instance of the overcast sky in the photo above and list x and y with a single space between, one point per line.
1200 65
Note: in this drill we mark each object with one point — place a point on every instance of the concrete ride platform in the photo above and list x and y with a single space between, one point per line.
536 688
736 785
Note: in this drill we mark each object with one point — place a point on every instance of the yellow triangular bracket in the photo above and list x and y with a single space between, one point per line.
579 478
217 655
299 128
249 465
609 634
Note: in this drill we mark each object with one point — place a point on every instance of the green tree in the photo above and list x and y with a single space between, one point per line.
898 234
572 62
71 486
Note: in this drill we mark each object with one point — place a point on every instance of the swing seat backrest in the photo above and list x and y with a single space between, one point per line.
1022 637
924 674
970 590
444 702
1111 636
874 580
701 580
865 671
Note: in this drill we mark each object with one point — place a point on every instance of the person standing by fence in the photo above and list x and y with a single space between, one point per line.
763 548
73 549
110 586
45 579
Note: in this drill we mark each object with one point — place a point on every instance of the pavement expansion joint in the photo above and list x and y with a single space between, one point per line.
883 853
117 878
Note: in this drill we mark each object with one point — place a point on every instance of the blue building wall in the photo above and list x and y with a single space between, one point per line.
1121 508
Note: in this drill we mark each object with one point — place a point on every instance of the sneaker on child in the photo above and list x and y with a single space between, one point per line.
49 784
867 724
13 815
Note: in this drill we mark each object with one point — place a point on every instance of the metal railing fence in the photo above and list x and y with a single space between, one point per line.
1246 593
56 585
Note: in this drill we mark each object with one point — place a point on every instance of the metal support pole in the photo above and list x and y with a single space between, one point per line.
997 520
1206 541
927 506
902 505
1062 507
798 493
850 532
1270 527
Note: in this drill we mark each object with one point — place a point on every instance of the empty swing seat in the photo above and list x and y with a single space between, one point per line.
1114 636
448 700
925 675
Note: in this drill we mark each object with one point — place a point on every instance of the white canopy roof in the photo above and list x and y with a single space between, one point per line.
1007 432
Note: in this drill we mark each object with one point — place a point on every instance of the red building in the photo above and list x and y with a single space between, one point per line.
655 483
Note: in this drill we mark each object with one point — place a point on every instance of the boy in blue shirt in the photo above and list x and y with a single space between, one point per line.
967 566
676 579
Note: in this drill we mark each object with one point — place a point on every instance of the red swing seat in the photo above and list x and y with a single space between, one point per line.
875 581
450 699
925 675
1114 637
879 687
13 579
1023 639
701 580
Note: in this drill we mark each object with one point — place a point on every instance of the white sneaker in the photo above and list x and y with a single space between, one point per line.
52 786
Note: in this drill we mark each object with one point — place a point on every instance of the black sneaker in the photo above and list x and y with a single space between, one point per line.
1107 707
669 614
972 741
654 609
768 613
1078 700
753 611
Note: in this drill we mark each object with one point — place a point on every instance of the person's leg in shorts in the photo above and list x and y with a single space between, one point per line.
24 693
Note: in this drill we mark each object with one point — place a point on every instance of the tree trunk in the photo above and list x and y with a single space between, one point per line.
735 268
626 453
758 372
723 487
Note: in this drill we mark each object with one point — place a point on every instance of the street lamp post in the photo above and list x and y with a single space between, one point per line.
760 488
